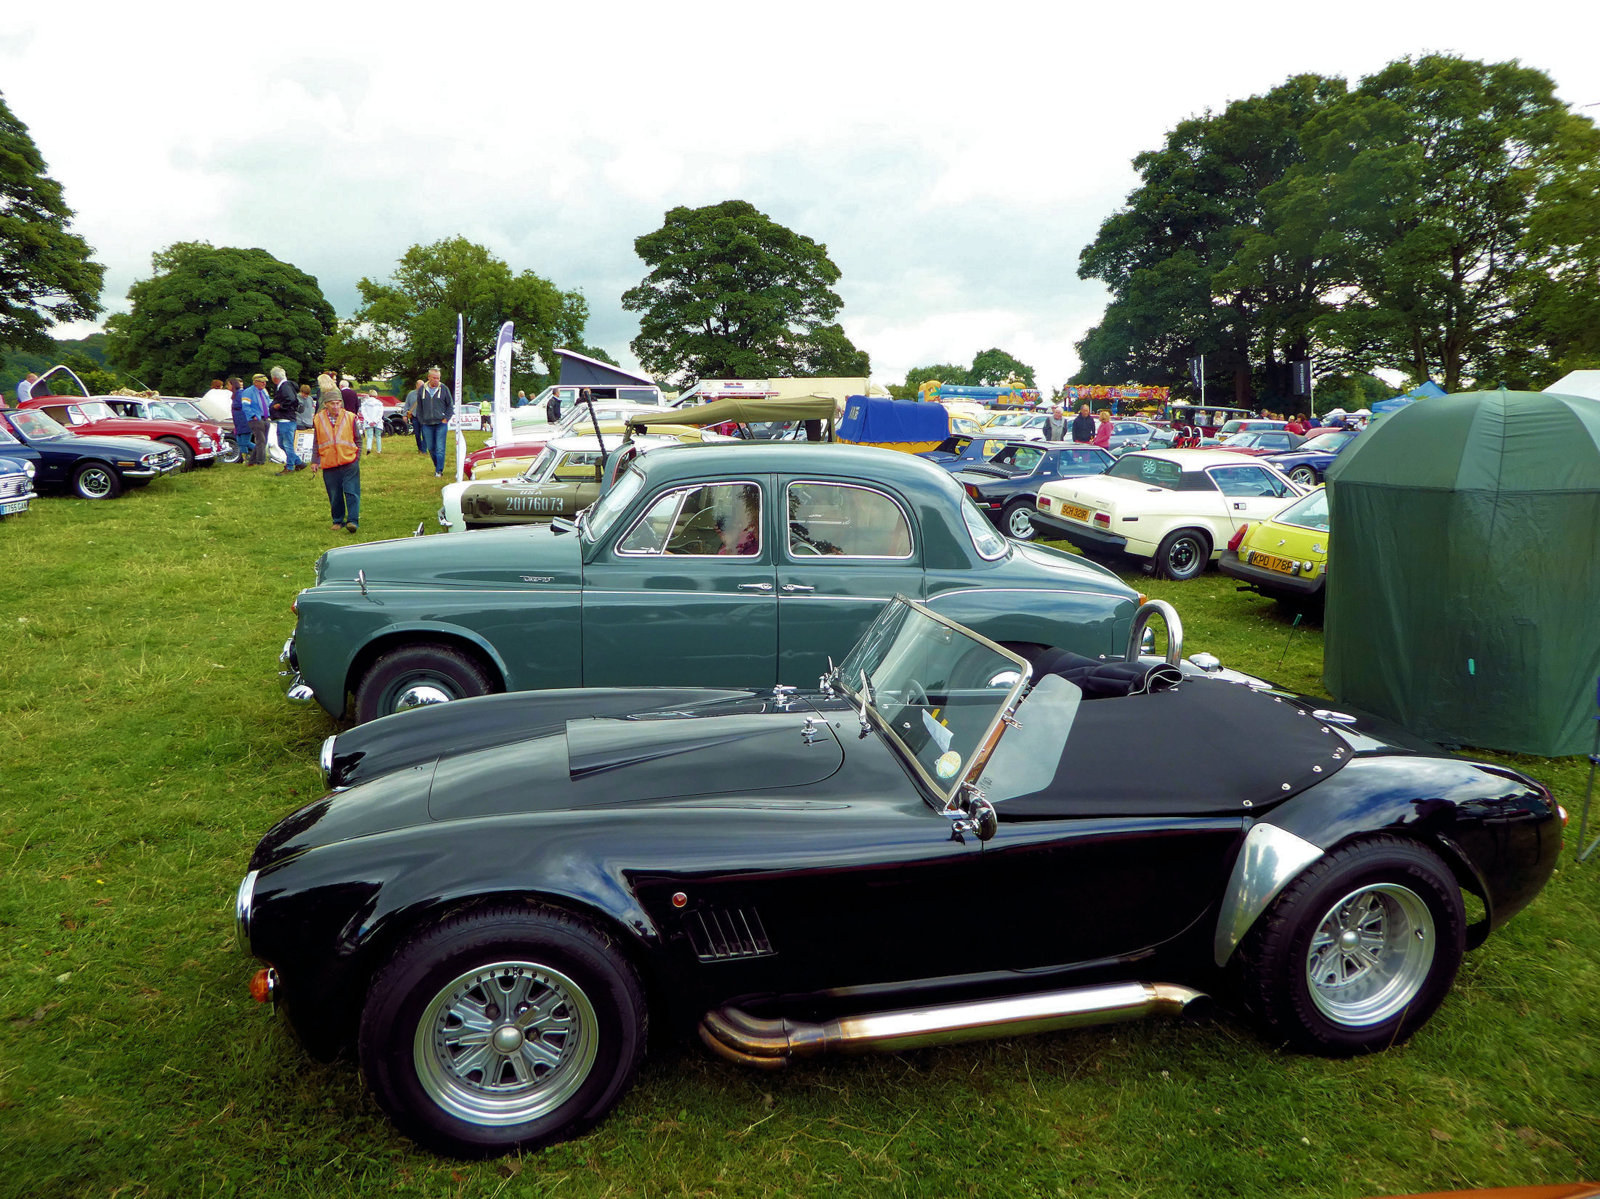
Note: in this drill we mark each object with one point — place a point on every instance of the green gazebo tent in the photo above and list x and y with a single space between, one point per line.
1463 595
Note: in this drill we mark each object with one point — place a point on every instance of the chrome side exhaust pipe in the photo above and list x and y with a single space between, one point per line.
771 1043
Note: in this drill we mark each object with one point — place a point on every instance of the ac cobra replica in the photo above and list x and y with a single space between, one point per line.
499 896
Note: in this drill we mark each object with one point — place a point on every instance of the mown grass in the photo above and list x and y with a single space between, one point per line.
144 746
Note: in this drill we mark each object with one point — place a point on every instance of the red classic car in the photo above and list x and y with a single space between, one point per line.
194 441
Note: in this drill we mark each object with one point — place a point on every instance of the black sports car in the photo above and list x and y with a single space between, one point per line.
1007 485
942 841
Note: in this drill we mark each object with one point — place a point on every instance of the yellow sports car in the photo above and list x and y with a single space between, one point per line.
1285 556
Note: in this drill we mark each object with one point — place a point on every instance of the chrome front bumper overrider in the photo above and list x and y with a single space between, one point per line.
295 689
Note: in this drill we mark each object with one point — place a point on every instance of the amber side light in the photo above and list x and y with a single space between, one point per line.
260 986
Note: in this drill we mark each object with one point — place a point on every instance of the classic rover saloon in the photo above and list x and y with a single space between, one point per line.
499 896
726 565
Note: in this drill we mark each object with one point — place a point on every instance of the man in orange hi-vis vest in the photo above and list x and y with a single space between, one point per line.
337 454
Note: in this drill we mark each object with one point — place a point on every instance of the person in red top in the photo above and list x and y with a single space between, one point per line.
336 452
1297 426
1102 432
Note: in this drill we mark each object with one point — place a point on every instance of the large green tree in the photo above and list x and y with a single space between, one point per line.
994 366
731 293
1459 203
1195 262
408 323
46 274
209 311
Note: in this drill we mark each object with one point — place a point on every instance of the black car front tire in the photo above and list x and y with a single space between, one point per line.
96 481
1182 554
1357 952
1017 520
501 1030
415 676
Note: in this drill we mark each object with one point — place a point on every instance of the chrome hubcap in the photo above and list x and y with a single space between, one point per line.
1370 955
420 695
1021 524
505 1043
95 483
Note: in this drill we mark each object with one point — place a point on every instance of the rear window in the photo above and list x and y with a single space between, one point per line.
1308 513
1155 472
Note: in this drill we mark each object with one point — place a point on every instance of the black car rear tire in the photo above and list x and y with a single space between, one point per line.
416 676
183 449
1017 520
96 481
1358 951
1182 554
1303 475
500 1030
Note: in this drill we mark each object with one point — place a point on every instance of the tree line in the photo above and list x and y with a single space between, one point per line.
1440 218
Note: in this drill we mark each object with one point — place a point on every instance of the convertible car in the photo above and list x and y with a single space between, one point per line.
1178 508
499 897
738 564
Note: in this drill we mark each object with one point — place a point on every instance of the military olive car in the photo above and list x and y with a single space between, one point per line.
563 480
726 565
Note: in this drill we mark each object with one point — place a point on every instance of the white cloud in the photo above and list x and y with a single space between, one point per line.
954 160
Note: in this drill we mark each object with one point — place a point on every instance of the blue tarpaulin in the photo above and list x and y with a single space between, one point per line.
897 424
1424 390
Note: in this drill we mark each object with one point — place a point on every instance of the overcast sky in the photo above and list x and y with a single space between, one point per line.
954 159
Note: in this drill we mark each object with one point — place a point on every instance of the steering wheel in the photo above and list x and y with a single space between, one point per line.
917 693
800 542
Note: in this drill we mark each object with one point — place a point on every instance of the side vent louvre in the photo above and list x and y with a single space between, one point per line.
722 934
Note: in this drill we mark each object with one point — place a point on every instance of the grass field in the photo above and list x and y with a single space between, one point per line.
145 746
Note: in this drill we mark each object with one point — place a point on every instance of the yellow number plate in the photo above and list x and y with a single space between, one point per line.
1075 512
1268 562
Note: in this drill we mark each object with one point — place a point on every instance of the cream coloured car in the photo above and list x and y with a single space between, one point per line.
1178 508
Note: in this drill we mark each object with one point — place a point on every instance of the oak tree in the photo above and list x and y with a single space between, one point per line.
730 293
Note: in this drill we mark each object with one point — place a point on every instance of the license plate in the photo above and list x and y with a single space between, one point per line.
1268 562
13 506
1074 511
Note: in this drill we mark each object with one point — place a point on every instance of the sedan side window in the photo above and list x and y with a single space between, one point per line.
1243 481
838 519
719 518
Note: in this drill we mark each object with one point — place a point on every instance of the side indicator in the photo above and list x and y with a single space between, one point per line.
264 985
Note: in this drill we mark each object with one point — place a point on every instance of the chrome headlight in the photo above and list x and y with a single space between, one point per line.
28 466
241 909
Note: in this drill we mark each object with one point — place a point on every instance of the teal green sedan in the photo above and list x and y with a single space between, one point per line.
729 565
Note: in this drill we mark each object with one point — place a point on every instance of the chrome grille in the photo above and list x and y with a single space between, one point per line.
721 934
14 487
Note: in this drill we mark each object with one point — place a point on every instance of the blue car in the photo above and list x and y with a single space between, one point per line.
964 450
1308 462
1007 485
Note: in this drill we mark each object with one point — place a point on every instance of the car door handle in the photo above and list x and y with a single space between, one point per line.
798 587
755 586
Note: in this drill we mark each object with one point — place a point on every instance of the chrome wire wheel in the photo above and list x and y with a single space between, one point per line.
505 1043
1370 955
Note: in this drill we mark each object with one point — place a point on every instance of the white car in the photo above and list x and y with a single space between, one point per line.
1019 426
1178 508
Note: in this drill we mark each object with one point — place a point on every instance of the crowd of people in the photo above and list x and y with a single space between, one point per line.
341 423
